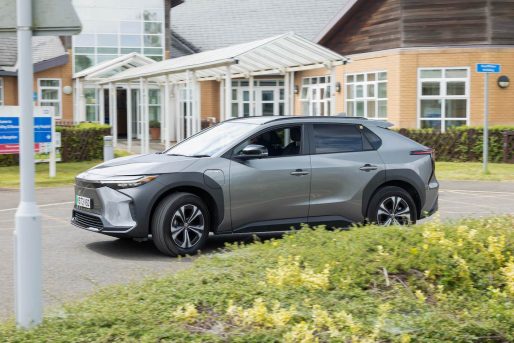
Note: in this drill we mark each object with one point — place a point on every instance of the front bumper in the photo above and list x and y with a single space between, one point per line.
111 212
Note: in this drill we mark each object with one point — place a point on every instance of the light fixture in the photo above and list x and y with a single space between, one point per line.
338 87
67 90
296 89
503 81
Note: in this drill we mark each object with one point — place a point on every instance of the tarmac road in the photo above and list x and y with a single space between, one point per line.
76 262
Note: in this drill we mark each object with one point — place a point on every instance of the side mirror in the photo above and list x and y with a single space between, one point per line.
253 151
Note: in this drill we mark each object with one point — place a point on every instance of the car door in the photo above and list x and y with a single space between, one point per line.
271 194
343 163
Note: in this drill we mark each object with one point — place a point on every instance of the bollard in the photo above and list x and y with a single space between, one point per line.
108 148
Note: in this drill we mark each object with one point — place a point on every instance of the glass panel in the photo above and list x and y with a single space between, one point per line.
431 74
90 95
305 108
129 50
154 113
84 40
431 124
371 109
382 90
382 76
152 15
49 83
431 88
314 81
154 28
234 94
84 50
456 73
456 108
153 51
246 110
371 76
350 91
321 80
153 41
349 78
245 83
103 58
53 104
267 109
456 88
83 62
359 108
305 92
91 113
107 40
306 81
268 95
281 109
130 40
131 27
281 94
454 123
349 109
382 108
268 83
329 139
107 50
431 109
359 91
235 109
156 58
371 90
246 96
49 94
154 96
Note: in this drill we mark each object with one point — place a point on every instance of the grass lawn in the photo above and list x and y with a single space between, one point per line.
434 282
473 171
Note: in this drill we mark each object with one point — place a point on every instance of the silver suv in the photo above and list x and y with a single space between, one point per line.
260 174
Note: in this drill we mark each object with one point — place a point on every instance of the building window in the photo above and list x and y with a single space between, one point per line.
110 31
50 94
443 98
366 95
92 108
154 105
268 98
1 91
315 96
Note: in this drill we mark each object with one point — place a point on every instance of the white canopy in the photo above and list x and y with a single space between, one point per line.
112 67
276 55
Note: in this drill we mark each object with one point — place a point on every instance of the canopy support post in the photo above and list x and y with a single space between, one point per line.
141 114
195 118
179 119
129 117
292 95
222 100
251 96
228 94
287 102
333 92
167 114
113 113
146 116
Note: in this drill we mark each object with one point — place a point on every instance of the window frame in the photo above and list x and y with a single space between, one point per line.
443 97
365 98
304 149
315 105
59 94
359 127
239 89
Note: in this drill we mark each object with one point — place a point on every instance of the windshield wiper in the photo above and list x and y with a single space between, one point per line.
175 155
200 156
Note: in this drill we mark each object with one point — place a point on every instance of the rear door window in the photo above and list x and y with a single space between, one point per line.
331 139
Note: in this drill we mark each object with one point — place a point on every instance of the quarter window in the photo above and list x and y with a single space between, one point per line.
50 94
366 95
443 98
315 96
330 139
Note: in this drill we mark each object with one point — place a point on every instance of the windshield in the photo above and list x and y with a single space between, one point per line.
212 141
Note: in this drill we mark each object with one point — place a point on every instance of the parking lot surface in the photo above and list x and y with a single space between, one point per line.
77 262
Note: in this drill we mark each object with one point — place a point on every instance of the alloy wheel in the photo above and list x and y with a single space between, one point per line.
187 226
393 210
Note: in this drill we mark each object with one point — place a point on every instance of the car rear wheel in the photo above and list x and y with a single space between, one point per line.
180 224
392 205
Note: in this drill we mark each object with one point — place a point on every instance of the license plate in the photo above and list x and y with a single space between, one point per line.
81 201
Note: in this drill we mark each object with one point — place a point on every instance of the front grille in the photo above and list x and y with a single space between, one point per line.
93 195
87 220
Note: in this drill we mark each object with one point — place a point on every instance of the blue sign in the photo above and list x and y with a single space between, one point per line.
488 68
10 130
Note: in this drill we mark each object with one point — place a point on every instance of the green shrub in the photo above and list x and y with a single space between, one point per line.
434 282
463 144
83 142
155 124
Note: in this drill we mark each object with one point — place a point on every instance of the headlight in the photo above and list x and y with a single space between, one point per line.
127 181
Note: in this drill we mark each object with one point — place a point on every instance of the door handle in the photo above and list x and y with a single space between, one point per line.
368 167
300 172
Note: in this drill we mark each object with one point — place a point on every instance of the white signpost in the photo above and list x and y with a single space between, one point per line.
51 17
487 68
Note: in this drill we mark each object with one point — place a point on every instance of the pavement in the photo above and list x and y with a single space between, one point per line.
77 262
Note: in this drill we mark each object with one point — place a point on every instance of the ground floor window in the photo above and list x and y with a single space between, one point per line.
315 96
154 105
443 97
92 108
1 91
268 98
50 94
366 95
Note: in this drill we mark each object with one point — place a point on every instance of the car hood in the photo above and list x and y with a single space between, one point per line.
138 165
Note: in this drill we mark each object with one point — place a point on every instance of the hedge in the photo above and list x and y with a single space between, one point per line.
82 142
462 144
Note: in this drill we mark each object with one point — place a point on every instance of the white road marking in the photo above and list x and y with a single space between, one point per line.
470 191
45 205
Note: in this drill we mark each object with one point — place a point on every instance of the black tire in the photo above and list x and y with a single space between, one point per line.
167 218
386 196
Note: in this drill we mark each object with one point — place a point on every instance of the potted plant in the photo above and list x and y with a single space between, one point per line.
155 129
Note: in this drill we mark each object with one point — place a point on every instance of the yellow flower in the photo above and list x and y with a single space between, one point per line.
508 274
290 273
495 246
187 313
420 296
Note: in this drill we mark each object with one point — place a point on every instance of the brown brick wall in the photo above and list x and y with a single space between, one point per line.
210 99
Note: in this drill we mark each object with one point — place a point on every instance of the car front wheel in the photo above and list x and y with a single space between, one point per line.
180 224
392 205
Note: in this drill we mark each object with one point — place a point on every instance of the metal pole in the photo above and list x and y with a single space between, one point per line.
27 234
228 94
486 124
129 117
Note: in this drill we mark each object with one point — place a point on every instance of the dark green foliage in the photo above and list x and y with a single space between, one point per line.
83 142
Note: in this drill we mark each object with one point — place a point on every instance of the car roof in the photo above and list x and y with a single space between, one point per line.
262 120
